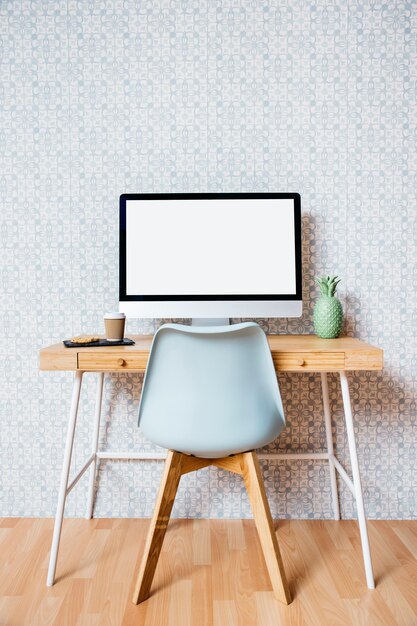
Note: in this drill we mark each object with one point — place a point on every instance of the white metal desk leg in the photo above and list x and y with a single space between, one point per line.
330 449
76 390
357 481
94 445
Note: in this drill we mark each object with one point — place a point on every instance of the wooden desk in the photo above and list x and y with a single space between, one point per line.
290 353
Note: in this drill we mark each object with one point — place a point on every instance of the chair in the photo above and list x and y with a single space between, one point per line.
210 395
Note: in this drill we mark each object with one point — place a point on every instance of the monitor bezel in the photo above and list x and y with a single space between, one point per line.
124 297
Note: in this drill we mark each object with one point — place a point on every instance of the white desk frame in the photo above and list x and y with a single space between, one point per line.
96 455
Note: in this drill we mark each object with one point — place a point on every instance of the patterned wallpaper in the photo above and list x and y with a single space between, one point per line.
102 98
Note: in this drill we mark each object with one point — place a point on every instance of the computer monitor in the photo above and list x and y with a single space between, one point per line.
210 255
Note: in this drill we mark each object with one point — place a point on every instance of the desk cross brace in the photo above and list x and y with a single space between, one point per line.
154 456
97 455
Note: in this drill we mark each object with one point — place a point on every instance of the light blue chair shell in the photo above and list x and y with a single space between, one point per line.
211 391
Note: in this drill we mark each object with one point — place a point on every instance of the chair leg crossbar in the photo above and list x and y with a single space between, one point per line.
246 464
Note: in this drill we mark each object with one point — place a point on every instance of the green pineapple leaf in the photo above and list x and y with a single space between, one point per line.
328 285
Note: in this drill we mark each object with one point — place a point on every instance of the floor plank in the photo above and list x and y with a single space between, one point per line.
210 573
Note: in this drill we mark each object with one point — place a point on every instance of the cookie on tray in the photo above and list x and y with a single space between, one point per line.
85 339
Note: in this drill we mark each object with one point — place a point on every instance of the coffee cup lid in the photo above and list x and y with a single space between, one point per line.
114 316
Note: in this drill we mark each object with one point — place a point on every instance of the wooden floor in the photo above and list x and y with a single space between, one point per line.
210 573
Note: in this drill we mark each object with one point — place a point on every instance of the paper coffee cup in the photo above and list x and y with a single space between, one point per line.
114 324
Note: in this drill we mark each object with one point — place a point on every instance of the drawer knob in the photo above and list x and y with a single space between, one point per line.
121 362
301 362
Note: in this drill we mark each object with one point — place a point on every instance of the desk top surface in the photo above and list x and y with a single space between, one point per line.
290 353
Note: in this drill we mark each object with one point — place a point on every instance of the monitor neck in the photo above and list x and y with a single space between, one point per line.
210 321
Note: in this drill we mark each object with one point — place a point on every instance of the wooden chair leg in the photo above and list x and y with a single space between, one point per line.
256 491
166 496
246 464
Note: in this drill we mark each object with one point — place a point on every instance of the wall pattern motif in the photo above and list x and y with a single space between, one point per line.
102 98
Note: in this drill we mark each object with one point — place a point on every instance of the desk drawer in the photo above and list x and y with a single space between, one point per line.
309 361
109 361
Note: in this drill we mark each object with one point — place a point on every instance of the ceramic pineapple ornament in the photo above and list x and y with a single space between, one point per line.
328 312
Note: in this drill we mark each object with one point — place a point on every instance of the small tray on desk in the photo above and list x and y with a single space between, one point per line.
98 344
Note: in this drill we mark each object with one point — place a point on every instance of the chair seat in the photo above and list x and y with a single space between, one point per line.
211 453
211 392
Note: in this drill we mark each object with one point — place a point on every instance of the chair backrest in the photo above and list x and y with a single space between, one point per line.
211 391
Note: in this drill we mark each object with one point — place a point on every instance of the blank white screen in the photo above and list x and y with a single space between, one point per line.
210 247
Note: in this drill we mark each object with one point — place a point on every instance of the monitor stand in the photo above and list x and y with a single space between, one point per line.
210 321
